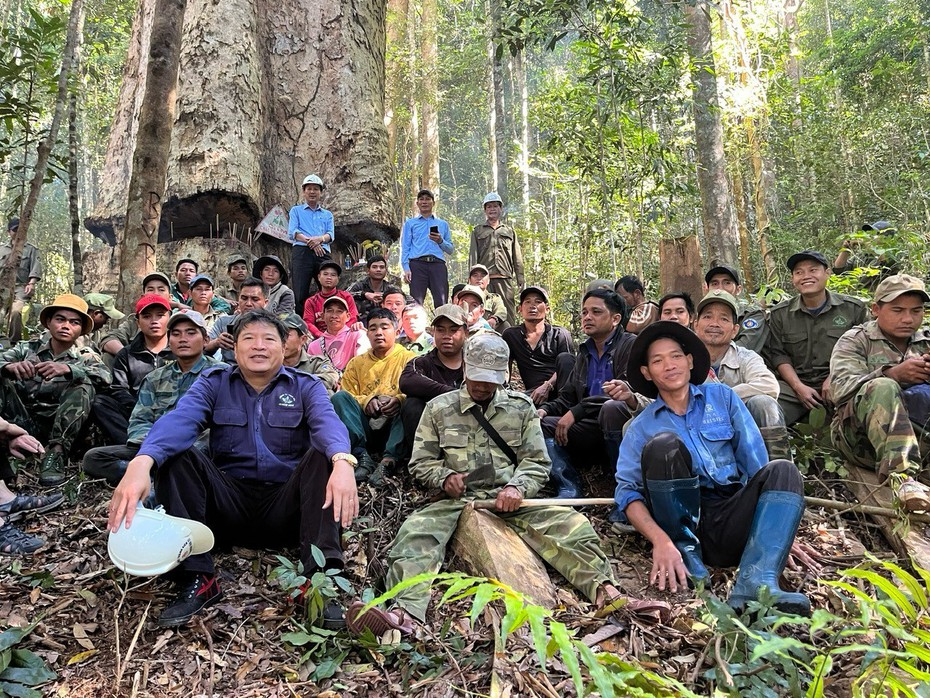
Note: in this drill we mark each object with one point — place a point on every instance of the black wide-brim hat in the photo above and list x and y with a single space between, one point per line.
263 262
681 334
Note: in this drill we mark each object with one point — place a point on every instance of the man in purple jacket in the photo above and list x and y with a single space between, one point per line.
278 470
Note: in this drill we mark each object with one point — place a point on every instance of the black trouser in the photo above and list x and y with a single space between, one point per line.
109 462
726 511
305 263
432 275
410 413
251 513
112 417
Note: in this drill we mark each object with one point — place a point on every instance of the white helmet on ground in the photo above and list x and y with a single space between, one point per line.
491 198
313 179
157 542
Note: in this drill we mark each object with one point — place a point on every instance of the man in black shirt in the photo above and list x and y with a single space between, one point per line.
436 372
544 353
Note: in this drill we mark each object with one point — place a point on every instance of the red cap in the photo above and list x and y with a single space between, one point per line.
152 299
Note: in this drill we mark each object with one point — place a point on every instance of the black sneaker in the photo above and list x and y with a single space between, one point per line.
52 471
366 466
194 595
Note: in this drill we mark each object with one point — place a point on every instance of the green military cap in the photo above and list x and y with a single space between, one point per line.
235 258
474 291
105 304
191 316
452 312
898 285
293 321
719 296
487 358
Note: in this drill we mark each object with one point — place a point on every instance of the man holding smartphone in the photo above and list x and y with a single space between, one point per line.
425 240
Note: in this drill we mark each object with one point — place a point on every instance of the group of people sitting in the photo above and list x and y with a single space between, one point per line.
231 409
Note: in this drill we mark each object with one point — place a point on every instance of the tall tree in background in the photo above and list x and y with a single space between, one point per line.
18 239
428 90
73 198
497 123
716 203
150 157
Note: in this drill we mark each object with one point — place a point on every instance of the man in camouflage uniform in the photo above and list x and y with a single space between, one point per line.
159 393
47 385
802 333
879 374
27 275
495 308
102 309
297 357
450 443
494 245
752 320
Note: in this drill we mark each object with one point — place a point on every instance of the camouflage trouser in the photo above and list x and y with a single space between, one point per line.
873 429
767 415
57 417
559 535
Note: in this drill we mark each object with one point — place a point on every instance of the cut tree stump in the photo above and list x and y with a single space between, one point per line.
915 544
488 547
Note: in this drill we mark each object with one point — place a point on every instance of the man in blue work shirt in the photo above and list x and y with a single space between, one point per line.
310 228
425 240
694 478
278 470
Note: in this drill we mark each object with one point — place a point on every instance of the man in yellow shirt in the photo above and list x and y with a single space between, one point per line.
370 400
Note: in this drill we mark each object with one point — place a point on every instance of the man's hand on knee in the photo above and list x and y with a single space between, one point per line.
341 493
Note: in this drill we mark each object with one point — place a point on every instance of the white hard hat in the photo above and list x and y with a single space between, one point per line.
312 179
157 542
492 197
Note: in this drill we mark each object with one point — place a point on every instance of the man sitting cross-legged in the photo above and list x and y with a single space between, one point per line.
48 385
436 373
277 473
880 383
742 369
450 444
147 351
694 478
370 399
159 393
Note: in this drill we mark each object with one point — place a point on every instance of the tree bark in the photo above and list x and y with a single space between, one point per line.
150 157
73 200
498 121
739 200
716 202
520 70
18 239
429 94
267 92
397 91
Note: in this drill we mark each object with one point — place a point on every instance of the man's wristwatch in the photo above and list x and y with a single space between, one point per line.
346 457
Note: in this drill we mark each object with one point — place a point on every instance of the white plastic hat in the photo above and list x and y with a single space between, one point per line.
157 542
491 198
312 179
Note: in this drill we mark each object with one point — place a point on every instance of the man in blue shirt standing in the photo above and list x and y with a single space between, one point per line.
425 240
694 478
278 469
311 229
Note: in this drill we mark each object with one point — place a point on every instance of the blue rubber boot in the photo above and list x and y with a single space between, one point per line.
774 526
676 507
563 475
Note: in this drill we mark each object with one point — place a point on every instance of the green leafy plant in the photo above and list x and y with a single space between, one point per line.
20 669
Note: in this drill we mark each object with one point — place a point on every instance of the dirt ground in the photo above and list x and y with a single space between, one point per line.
97 628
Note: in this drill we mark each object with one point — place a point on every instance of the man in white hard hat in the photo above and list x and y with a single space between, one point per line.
311 229
494 244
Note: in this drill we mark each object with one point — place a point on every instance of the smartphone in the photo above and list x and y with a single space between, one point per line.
434 230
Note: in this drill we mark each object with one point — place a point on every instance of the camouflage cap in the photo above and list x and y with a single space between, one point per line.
189 316
293 321
235 258
719 296
451 312
474 291
898 285
105 304
487 358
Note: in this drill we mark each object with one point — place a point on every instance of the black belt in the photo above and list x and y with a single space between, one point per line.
429 258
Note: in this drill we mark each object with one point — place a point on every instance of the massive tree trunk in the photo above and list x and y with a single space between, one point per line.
397 93
428 89
498 122
150 156
267 93
18 239
716 202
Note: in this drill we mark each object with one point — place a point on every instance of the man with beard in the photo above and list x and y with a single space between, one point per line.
580 418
